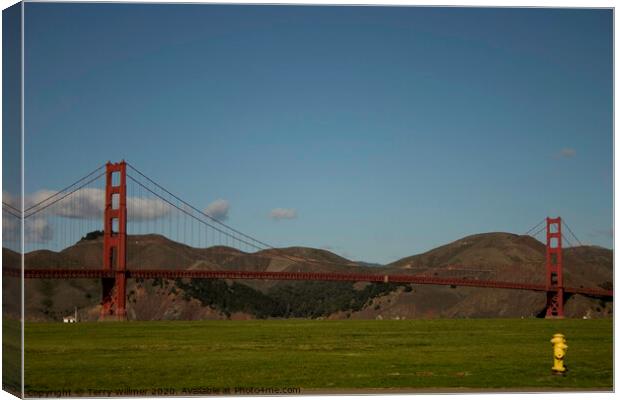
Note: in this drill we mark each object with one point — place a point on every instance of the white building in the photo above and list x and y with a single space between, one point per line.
71 318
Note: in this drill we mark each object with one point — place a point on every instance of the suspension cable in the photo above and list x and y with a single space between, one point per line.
8 211
199 211
11 207
227 234
188 213
534 227
571 232
65 196
539 231
65 189
567 241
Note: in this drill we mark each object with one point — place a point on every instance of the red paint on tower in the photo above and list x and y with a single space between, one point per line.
555 280
115 242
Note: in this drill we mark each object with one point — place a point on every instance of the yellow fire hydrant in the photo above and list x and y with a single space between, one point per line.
559 351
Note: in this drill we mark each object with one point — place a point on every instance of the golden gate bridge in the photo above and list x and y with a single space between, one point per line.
130 204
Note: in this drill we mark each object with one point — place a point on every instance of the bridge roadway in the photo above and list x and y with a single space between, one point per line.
292 276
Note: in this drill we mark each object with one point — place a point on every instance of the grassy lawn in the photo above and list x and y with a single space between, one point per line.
11 355
484 353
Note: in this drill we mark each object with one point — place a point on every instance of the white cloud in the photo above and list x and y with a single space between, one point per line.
36 230
146 209
88 203
283 213
10 225
568 152
218 209
83 204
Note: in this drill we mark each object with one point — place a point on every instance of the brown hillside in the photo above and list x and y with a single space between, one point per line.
504 257
10 258
510 257
486 251
489 256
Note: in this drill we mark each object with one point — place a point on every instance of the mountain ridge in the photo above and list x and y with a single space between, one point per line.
489 256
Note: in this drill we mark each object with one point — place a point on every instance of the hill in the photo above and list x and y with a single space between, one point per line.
492 256
502 257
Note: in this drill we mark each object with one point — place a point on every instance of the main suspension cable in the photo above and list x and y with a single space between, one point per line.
539 231
11 207
65 196
65 189
534 227
571 232
199 211
227 234
8 211
186 212
567 241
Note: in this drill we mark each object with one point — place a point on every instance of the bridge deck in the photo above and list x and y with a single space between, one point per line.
292 276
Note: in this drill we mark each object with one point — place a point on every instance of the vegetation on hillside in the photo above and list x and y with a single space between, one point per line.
301 300
231 298
92 235
318 299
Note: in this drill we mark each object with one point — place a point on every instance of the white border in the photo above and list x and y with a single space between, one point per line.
440 3
23 206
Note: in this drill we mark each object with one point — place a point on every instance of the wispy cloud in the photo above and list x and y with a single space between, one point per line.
283 213
567 152
218 209
36 229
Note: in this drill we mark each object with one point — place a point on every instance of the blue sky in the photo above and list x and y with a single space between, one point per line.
389 131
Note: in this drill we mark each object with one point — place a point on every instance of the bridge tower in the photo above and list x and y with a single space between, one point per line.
115 242
555 280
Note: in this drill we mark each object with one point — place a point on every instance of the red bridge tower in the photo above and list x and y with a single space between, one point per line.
115 242
555 281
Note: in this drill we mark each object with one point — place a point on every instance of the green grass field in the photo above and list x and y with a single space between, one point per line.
315 355
11 356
